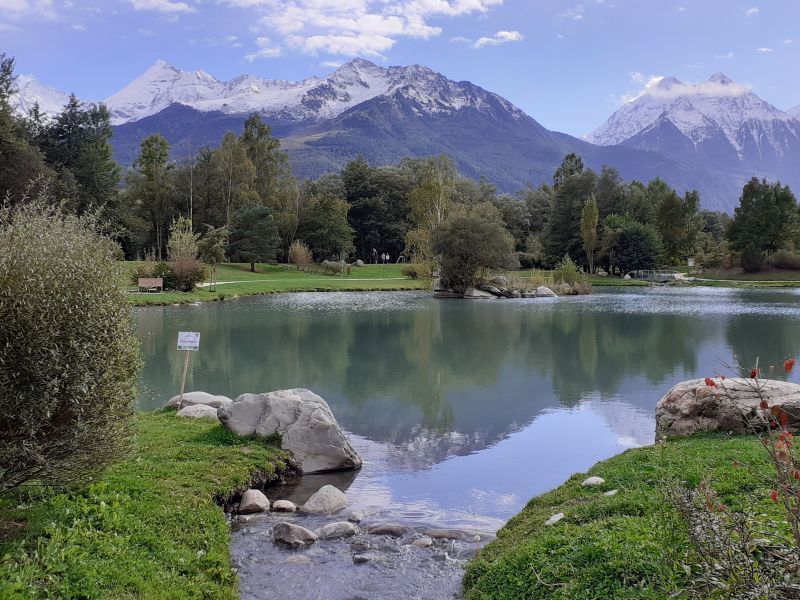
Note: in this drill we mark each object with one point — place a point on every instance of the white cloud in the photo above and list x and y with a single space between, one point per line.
265 49
331 64
19 9
354 27
575 14
165 6
681 9
672 88
764 50
726 56
501 37
751 12
787 41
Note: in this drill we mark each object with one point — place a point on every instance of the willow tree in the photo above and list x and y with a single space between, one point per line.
430 203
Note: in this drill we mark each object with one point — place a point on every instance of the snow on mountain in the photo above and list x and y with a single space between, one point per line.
705 113
794 112
31 92
313 98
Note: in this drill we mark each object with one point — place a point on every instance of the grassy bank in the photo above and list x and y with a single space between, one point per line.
237 280
631 545
149 528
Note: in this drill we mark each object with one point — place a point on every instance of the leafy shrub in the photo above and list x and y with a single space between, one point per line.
186 273
527 260
142 269
567 271
785 259
752 259
69 357
416 271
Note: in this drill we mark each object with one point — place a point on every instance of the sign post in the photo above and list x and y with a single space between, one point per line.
188 341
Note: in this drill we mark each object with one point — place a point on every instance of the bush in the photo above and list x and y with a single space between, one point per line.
186 273
142 268
785 259
300 255
527 260
336 267
69 357
416 271
752 259
567 271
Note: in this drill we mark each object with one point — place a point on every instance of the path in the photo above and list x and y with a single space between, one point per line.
202 285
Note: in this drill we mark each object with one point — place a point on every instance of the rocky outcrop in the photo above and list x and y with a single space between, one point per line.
729 405
194 398
476 294
198 411
326 501
304 421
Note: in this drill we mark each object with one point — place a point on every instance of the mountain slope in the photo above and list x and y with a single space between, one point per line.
716 123
31 92
794 112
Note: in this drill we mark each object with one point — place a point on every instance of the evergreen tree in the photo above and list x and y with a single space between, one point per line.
326 230
253 236
151 187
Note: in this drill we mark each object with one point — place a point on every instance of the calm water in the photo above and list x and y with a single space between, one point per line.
463 410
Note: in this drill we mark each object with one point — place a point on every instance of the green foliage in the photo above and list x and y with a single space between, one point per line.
628 546
211 247
416 271
677 223
563 235
589 234
637 247
785 259
762 221
326 230
300 255
69 357
567 271
752 259
182 242
254 236
148 529
466 244
337 267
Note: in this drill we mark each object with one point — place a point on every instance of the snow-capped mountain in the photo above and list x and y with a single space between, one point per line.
718 120
794 112
31 92
311 99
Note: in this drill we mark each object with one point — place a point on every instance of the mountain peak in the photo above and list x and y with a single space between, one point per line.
720 78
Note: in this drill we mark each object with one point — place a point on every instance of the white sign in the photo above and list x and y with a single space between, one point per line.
189 340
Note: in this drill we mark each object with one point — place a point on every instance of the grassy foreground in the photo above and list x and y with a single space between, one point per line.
148 529
237 280
631 545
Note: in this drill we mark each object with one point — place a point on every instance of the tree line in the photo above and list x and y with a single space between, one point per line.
243 194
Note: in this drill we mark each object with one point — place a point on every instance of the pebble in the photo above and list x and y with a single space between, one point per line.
423 542
360 559
356 516
554 519
593 481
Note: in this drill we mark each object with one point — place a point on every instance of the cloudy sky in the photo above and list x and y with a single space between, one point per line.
568 64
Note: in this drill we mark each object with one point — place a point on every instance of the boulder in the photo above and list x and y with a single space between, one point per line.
283 506
193 398
514 293
610 493
730 405
389 529
342 529
358 263
326 501
360 559
545 292
293 535
554 519
198 411
422 542
356 516
627 277
476 294
491 289
592 481
304 421
447 534
253 501
499 281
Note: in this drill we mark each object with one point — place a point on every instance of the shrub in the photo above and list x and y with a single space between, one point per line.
336 267
142 268
785 259
69 357
527 260
416 271
186 273
752 259
300 255
567 271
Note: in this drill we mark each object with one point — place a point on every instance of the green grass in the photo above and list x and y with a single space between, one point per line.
631 545
270 279
149 528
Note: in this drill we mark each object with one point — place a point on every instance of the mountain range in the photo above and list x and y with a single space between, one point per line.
710 136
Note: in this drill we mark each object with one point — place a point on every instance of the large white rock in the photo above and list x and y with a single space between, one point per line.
325 501
304 421
253 501
193 398
730 405
476 294
198 411
545 292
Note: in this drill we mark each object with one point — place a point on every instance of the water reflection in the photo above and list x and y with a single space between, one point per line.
457 397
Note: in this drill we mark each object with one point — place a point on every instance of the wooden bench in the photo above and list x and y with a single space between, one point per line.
151 284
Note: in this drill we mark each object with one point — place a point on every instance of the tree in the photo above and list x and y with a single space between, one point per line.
564 226
571 165
430 202
465 244
270 163
765 216
326 230
69 357
151 187
589 230
677 222
300 255
211 249
236 175
254 236
638 248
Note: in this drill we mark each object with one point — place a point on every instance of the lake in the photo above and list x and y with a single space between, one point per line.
464 410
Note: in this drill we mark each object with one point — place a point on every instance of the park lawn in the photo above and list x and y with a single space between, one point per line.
270 279
624 547
765 276
148 528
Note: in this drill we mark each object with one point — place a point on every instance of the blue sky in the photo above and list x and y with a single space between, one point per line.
568 64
